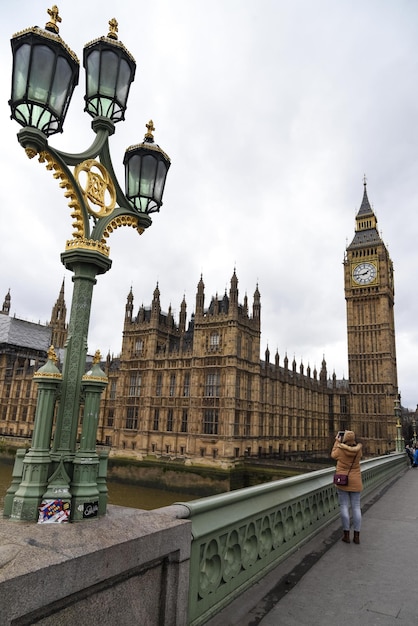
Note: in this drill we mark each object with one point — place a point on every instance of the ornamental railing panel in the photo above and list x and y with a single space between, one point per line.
239 536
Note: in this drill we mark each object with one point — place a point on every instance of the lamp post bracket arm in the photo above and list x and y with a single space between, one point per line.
56 164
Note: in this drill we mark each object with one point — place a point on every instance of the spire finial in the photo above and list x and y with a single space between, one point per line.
151 128
364 180
113 29
52 356
52 25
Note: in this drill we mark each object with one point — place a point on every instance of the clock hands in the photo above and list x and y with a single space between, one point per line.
364 273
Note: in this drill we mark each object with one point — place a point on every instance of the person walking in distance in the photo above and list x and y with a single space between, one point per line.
411 454
347 452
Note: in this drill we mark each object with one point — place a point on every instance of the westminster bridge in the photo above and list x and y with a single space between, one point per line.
224 559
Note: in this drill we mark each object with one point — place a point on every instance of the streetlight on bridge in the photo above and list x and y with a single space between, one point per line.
45 73
400 444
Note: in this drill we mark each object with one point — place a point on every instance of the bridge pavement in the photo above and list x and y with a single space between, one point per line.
330 583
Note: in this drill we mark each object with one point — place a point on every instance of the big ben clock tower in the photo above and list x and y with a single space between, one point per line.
369 293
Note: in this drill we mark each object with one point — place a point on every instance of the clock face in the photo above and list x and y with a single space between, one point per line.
364 273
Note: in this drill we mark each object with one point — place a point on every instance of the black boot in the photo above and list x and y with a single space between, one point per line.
356 536
346 536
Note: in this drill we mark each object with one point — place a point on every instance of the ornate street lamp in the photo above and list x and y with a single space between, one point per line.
45 73
146 167
400 444
110 70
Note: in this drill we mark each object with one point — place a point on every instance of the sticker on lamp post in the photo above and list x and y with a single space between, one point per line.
89 509
54 512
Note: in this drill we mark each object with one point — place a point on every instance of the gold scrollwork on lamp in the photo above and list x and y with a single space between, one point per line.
97 187
88 244
59 173
117 222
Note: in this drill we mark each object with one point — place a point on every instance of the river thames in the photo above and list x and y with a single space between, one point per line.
122 494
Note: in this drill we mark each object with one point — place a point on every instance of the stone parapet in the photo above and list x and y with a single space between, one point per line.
128 567
240 536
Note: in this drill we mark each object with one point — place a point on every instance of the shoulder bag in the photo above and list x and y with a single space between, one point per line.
341 480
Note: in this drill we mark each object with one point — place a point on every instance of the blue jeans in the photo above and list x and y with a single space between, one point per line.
345 498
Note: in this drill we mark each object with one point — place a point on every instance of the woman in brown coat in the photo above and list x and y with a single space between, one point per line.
348 454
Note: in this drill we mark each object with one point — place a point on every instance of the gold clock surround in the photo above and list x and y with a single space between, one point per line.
364 273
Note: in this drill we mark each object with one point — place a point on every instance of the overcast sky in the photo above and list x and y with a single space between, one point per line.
272 111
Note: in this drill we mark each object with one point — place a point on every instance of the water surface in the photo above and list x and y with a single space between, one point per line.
122 494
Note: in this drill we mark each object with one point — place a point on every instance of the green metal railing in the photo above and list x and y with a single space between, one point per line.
240 535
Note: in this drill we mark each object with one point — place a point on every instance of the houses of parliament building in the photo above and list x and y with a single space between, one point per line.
196 390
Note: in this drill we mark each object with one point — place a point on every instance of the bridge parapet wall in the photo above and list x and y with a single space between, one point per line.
174 566
238 537
127 567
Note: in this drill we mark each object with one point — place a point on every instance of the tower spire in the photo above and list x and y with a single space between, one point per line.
233 293
365 208
156 307
129 306
200 297
6 304
182 319
366 232
256 304
58 317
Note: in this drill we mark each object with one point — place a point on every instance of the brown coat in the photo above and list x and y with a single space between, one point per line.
344 456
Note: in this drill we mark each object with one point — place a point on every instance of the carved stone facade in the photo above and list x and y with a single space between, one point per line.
23 350
196 390
199 391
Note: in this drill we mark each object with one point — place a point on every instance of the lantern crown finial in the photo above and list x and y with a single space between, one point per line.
52 355
97 357
149 135
113 29
52 25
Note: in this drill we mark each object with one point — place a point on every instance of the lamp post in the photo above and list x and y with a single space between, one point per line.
400 444
45 73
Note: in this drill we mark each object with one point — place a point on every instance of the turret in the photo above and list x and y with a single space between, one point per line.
323 372
170 320
129 306
183 315
155 306
6 304
57 322
245 306
256 305
200 298
233 294
141 314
